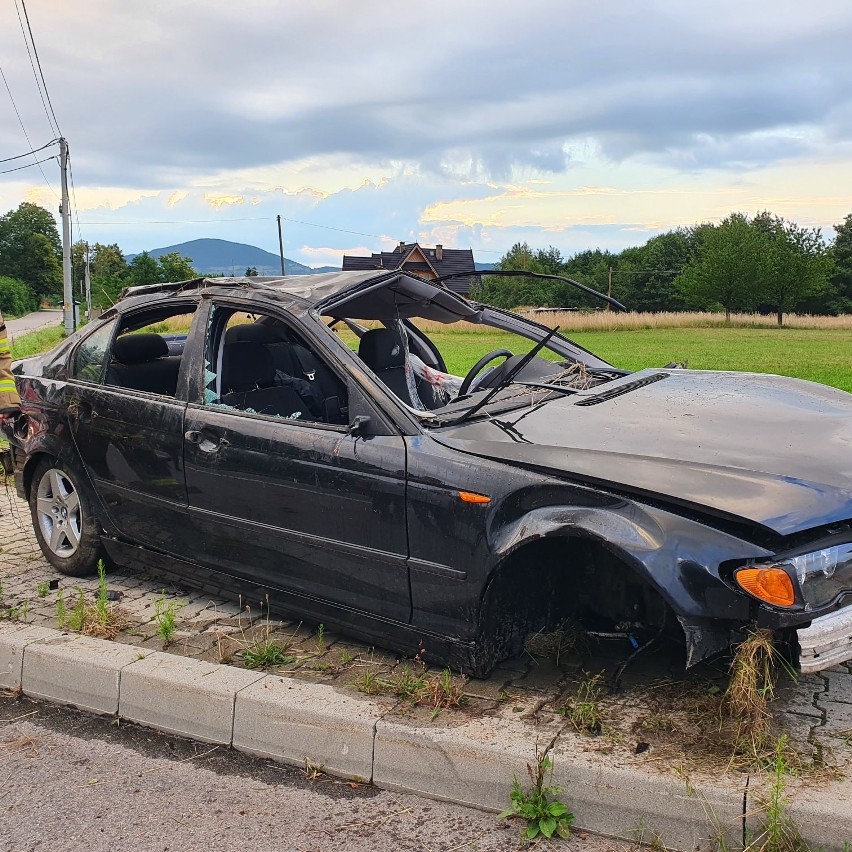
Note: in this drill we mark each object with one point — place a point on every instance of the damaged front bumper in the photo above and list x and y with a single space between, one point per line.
827 642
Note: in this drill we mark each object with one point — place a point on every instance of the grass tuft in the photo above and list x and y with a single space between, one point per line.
99 618
264 653
583 710
779 832
751 688
165 616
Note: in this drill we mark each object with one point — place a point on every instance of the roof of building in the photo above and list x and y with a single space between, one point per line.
438 261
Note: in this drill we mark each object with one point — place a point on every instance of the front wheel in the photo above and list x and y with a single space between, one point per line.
63 520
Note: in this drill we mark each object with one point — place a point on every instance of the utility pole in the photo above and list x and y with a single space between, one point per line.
88 287
281 245
65 212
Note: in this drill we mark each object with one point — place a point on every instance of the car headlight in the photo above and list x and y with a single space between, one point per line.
822 575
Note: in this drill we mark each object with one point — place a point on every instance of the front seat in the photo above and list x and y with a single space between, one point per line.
248 383
382 350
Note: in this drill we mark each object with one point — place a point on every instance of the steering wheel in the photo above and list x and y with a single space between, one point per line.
476 369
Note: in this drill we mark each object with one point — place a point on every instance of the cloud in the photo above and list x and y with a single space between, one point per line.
166 93
439 123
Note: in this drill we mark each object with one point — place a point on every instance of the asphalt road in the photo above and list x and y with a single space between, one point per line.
69 781
32 322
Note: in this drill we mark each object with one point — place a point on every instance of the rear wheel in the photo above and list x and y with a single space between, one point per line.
63 520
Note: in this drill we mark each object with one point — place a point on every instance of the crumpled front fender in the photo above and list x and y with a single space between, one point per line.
679 557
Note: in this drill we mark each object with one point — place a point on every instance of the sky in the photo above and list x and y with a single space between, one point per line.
472 124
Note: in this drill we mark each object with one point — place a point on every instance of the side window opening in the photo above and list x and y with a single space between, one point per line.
147 352
91 357
256 363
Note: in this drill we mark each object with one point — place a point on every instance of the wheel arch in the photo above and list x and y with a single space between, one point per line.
555 564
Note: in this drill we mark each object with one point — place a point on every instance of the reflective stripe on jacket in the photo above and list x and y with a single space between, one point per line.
8 392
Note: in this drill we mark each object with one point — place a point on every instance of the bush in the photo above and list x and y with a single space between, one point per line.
16 297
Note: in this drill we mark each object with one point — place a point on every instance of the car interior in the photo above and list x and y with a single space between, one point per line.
143 362
263 367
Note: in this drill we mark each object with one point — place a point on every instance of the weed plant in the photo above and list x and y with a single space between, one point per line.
438 691
165 616
370 683
445 690
408 685
584 709
779 832
265 653
539 806
16 613
99 618
260 650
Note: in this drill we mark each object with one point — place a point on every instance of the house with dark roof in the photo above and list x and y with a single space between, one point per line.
429 263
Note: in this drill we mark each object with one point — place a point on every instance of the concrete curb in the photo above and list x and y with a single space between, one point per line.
468 760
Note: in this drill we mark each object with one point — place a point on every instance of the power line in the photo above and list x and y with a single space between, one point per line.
34 151
330 228
74 196
43 85
26 135
27 166
254 219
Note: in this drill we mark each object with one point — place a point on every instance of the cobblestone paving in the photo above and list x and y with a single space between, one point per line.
815 711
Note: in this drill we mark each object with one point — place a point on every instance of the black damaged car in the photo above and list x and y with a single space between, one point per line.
302 438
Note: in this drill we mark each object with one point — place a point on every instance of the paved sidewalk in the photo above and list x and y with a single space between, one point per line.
32 322
647 731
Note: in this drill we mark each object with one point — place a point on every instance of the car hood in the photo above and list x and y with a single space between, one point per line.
747 447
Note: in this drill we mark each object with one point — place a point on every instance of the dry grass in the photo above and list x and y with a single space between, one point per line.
439 691
584 710
555 645
569 321
94 618
444 690
751 688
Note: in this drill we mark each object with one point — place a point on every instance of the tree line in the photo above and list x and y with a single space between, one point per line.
31 264
745 263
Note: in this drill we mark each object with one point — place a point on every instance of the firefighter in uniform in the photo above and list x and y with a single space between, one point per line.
10 402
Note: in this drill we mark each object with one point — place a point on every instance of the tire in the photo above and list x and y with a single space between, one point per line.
62 519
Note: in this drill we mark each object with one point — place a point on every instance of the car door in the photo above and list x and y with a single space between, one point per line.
131 442
297 505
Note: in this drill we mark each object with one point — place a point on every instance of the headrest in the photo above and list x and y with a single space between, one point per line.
381 349
249 332
138 348
246 365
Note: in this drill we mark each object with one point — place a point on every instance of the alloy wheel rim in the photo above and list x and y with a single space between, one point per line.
59 513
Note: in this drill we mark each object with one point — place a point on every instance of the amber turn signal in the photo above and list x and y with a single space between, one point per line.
772 585
470 497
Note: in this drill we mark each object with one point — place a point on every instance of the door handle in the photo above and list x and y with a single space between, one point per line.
193 436
80 410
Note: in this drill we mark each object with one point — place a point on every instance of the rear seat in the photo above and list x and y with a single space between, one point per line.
142 362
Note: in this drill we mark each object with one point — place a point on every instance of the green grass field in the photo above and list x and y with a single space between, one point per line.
37 341
820 355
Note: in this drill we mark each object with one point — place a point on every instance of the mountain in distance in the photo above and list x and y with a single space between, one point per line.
223 257
485 267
